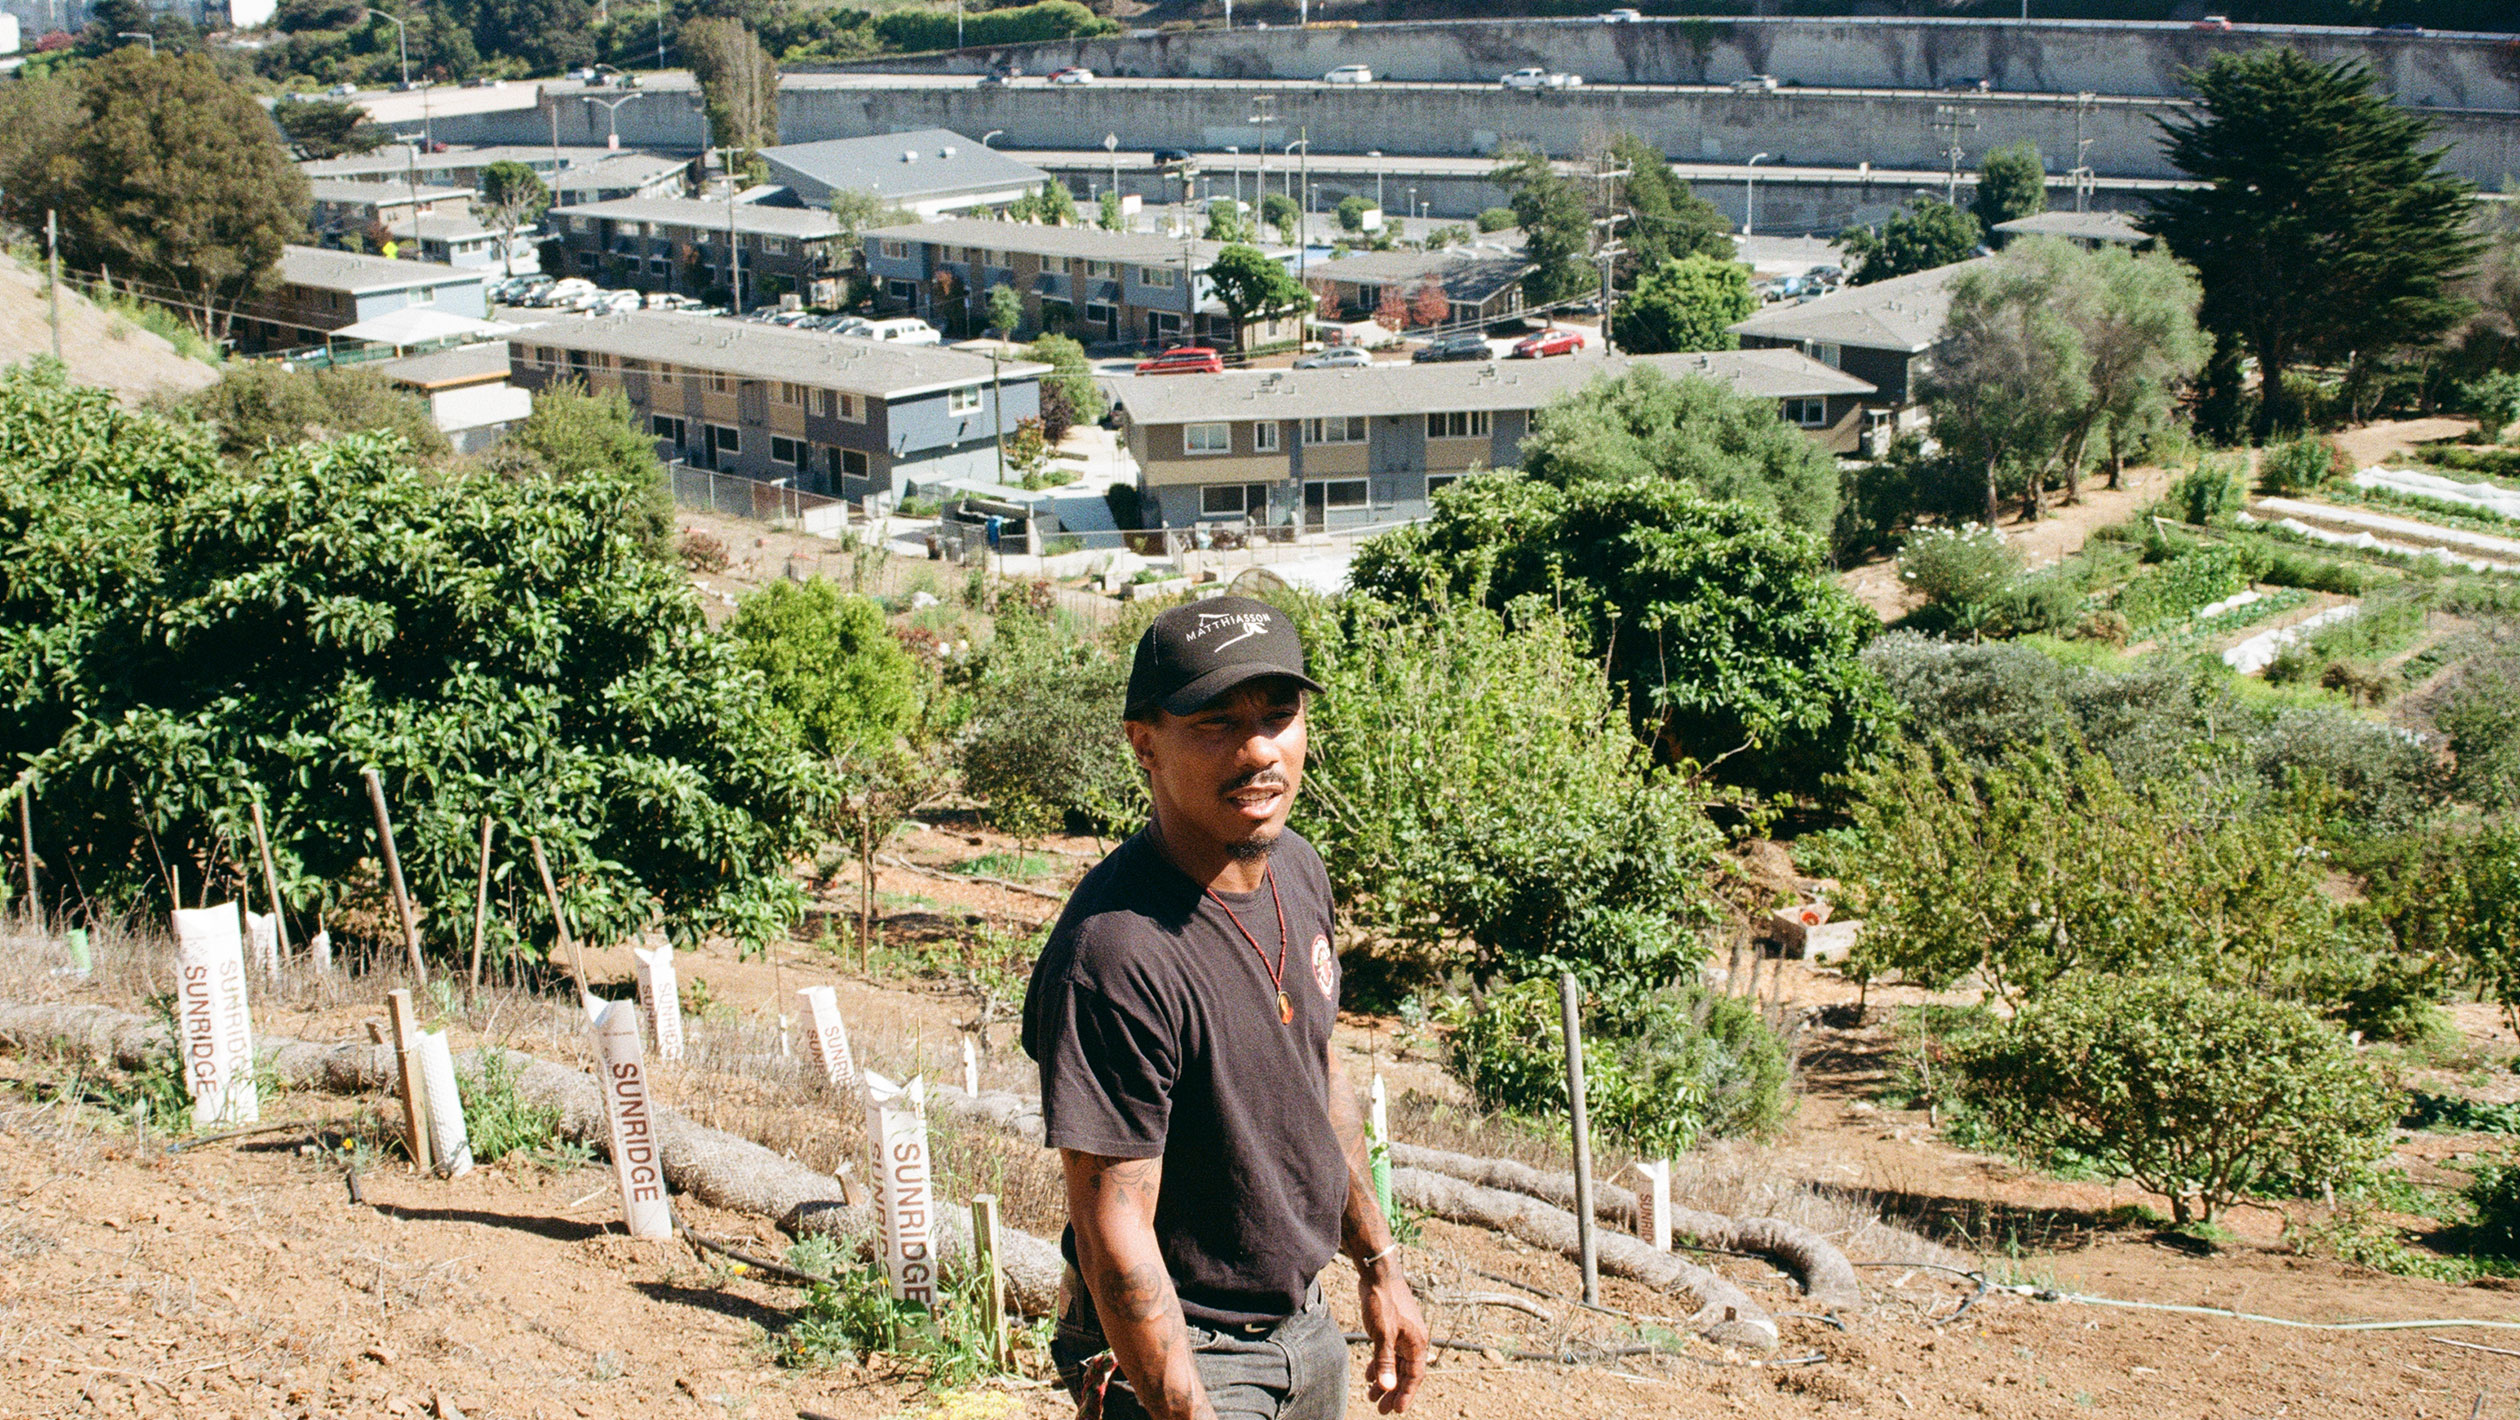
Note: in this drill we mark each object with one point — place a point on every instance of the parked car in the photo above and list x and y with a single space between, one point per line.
1337 357
1755 84
1171 157
2215 23
1538 78
1468 345
1554 341
1349 74
1073 74
900 330
1184 360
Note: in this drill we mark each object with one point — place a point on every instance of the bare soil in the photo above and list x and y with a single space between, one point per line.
240 1278
2057 535
100 347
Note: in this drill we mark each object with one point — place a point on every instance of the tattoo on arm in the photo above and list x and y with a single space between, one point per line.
1112 1204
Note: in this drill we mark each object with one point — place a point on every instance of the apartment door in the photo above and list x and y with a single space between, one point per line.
1316 506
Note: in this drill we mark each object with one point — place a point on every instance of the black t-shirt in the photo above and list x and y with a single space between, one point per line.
1158 1033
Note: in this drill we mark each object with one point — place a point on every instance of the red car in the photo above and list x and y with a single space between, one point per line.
1548 342
1184 360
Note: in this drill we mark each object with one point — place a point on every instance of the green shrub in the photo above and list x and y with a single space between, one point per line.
2282 567
1661 1069
1043 744
2178 587
854 1316
2495 401
2198 1094
2208 493
1022 24
2479 713
2298 465
498 1122
2049 599
2493 1191
2488 931
1497 219
1958 569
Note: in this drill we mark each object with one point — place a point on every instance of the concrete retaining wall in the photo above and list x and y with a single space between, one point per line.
2061 56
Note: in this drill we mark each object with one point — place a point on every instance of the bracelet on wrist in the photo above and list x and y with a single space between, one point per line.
1364 1262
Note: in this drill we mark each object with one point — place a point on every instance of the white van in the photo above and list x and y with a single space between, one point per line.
901 330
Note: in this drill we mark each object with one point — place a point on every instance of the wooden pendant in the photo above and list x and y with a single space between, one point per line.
1286 1010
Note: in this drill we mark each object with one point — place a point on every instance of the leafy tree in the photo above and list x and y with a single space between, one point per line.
1279 211
1428 305
1926 234
1686 304
2201 1095
858 210
913 30
1556 224
837 681
1251 283
1226 223
258 406
1724 627
512 197
2324 226
1043 744
1645 424
2489 927
573 434
162 171
1071 380
1352 213
1006 309
1667 220
739 83
185 632
1054 204
2012 183
326 128
1108 215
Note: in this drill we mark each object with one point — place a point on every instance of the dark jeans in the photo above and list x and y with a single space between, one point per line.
1293 1369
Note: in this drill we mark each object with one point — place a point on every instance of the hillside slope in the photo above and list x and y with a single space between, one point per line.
100 347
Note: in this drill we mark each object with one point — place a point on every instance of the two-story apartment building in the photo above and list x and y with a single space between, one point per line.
1101 287
1359 446
1884 333
321 291
343 207
688 245
575 173
929 172
831 414
1478 285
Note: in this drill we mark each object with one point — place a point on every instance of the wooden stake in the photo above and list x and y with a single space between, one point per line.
394 876
271 877
26 845
984 1248
415 1101
481 904
559 917
1567 995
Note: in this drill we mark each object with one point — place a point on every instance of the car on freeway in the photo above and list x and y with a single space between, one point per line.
1966 84
1337 357
2214 23
1171 157
1555 340
1755 84
1468 345
342 90
1538 78
1622 17
2402 27
1184 360
1349 74
1073 74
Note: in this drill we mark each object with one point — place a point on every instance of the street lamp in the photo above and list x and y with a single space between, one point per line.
402 42
1235 150
1750 196
612 114
992 133
135 34
1303 209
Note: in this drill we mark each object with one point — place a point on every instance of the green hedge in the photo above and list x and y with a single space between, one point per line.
915 30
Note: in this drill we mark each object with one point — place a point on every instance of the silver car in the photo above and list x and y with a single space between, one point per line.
1337 357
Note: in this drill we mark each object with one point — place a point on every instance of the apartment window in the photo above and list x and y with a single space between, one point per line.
1264 436
664 373
581 224
1099 316
853 408
991 258
774 246
1234 500
902 293
666 429
1809 413
788 394
424 296
845 463
1458 424
660 266
700 237
1102 270
718 382
1215 438
1343 493
897 251
792 452
1350 430
831 404
1158 276
1436 482
1825 353
546 356
633 367
963 401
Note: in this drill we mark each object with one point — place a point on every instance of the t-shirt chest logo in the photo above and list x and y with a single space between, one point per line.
1325 964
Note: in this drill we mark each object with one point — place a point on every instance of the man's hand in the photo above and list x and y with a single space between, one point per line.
1398 1332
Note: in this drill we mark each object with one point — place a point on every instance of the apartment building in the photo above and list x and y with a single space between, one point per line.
929 172
1885 333
688 245
1101 287
322 291
576 173
828 413
1362 446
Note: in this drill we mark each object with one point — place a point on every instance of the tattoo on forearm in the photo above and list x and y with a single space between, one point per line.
1140 1293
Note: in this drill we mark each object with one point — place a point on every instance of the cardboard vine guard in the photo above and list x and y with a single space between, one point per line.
905 1194
622 1072
215 1025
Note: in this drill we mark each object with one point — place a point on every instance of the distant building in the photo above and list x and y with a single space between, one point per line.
930 172
321 291
2088 229
575 174
468 392
681 244
1478 286
830 414
1354 447
1884 333
1101 287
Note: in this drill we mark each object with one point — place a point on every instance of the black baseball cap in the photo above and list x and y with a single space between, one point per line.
1194 653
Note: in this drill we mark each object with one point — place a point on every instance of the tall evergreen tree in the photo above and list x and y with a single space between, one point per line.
739 82
1666 219
1556 225
2324 226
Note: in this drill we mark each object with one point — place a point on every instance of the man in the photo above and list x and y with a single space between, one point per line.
1181 1016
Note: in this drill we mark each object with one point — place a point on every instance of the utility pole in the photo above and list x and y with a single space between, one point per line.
660 36
2083 103
1954 120
1111 145
1611 248
52 249
1263 113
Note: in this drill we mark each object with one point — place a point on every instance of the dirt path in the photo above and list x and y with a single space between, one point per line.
2052 538
2378 443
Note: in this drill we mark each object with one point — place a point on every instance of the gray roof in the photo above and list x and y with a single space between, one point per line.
1471 276
379 194
395 159
444 369
1091 243
620 170
1904 313
757 351
942 163
356 271
2083 226
754 217
1412 389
